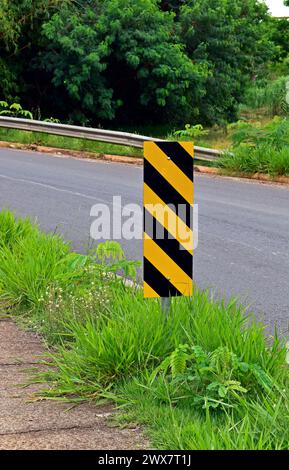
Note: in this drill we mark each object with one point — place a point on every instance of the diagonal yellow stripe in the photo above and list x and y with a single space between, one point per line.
179 230
149 292
167 267
189 147
169 171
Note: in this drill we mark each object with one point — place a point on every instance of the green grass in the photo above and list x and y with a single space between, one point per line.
254 426
70 143
267 98
205 377
259 148
264 159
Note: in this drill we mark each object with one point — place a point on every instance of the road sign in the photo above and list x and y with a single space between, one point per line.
168 224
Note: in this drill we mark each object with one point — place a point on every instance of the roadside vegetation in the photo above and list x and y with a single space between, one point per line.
97 64
204 377
258 148
68 143
266 99
132 62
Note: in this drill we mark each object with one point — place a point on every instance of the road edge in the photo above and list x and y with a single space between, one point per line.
82 155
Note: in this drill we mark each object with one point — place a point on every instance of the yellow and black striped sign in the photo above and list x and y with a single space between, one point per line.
168 230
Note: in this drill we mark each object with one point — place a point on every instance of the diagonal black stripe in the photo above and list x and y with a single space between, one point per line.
158 282
168 243
167 193
179 156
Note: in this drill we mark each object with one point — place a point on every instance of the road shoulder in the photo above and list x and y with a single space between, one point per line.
29 423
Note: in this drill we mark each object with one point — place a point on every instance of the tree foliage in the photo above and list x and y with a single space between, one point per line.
279 34
131 61
121 54
230 36
20 30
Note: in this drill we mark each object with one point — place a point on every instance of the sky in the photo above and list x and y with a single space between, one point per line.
277 7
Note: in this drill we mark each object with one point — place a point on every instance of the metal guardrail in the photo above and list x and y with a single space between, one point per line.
210 155
101 135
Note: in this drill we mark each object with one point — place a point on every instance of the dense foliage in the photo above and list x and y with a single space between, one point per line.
132 61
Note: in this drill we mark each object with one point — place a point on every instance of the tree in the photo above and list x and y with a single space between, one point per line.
20 25
230 37
279 35
121 58
133 61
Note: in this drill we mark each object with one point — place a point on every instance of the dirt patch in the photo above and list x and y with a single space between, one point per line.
27 422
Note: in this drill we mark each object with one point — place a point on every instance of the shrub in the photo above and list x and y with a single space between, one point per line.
14 110
190 132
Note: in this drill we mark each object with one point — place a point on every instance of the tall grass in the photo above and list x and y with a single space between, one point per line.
134 335
252 426
257 148
264 159
203 377
113 356
269 96
34 264
13 231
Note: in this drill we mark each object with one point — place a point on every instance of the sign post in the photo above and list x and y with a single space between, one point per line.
168 221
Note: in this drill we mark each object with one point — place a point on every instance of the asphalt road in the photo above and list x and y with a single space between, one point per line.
243 226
